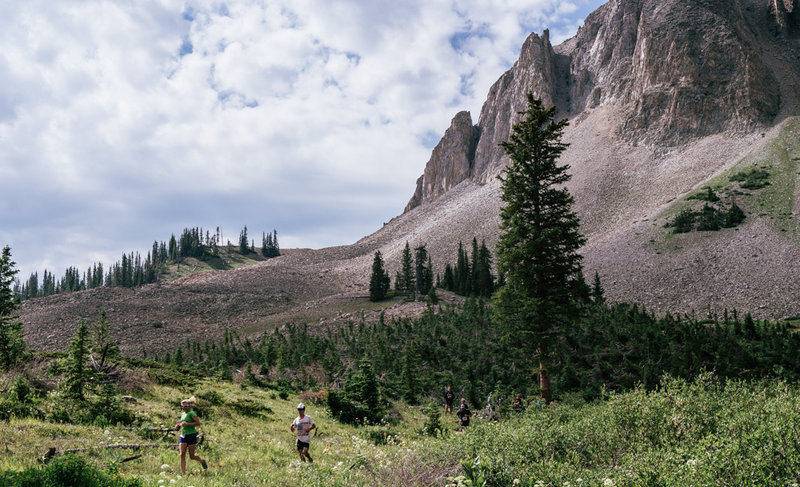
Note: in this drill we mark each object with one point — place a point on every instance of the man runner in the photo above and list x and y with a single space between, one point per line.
302 425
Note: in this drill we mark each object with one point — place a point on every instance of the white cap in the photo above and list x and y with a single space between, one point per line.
301 406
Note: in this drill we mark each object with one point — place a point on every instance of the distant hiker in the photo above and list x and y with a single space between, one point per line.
518 405
449 397
188 439
463 414
489 405
302 425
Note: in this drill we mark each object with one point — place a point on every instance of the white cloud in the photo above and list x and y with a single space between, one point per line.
123 122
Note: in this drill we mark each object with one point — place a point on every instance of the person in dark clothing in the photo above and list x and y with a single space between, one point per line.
449 397
463 414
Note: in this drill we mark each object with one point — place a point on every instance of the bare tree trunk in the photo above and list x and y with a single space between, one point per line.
544 384
544 376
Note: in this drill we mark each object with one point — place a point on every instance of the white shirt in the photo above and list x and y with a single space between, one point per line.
302 427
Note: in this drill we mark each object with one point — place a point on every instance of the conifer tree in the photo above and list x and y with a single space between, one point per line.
422 280
77 375
405 278
537 251
379 281
448 280
244 243
483 279
12 344
598 293
462 272
103 345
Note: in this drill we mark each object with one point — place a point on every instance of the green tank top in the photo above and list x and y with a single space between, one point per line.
189 418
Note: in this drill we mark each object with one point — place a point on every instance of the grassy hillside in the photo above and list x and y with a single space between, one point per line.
771 197
246 436
229 258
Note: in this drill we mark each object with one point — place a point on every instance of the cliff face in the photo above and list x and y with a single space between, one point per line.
450 162
672 70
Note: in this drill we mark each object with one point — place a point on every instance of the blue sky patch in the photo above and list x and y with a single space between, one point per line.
429 139
188 14
186 47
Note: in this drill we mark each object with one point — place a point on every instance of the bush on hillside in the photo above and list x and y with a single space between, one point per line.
66 471
752 179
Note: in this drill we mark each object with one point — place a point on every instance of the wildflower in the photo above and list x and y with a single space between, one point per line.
172 481
516 482
608 482
164 466
691 463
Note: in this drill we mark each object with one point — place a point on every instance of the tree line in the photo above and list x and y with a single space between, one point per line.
133 270
470 276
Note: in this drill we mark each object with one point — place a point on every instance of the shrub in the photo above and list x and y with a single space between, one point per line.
683 221
249 407
344 409
66 471
708 195
378 434
211 396
752 179
433 420
172 376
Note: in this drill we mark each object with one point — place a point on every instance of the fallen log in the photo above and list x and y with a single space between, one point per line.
133 446
52 451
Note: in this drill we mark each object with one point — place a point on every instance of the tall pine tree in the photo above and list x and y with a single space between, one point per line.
537 251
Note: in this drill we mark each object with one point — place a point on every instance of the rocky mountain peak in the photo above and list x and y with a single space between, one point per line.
672 70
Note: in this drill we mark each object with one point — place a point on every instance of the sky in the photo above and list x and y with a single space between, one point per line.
122 123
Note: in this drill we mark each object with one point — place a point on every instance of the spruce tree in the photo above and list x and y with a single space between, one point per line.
448 280
379 281
537 251
104 347
244 243
598 293
405 283
422 279
77 375
462 271
12 345
484 280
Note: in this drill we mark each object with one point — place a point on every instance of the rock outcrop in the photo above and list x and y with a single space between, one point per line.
786 14
450 162
674 71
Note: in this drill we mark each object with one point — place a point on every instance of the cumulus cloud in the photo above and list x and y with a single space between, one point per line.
124 122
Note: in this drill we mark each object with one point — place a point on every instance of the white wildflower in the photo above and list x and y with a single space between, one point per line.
165 466
608 482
